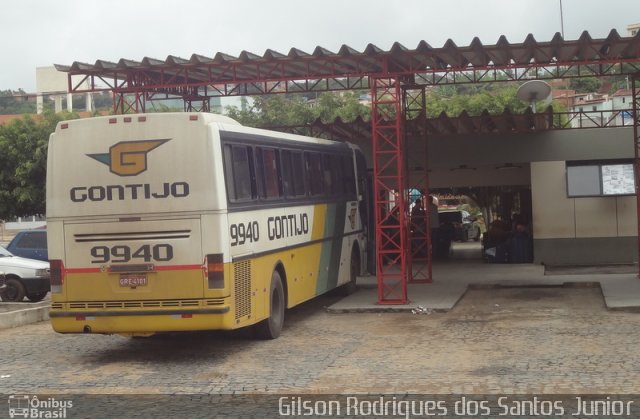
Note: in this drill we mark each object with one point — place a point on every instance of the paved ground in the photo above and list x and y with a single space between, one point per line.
465 270
513 340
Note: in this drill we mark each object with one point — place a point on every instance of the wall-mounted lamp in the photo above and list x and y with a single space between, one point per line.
463 167
508 166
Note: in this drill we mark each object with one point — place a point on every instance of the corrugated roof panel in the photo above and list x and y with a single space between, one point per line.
398 47
221 58
612 46
424 47
478 55
172 59
297 53
152 62
372 50
347 50
124 63
271 54
633 47
248 56
501 53
200 59
325 64
78 66
105 65
322 52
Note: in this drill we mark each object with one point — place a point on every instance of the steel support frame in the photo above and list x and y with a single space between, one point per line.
635 91
391 209
414 106
125 102
243 79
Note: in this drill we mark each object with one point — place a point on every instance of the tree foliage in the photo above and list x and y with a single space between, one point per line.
474 99
585 84
23 163
12 105
287 110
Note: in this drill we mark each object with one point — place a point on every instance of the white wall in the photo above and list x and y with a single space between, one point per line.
556 216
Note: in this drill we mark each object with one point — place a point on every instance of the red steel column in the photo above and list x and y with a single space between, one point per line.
635 91
415 119
391 209
128 102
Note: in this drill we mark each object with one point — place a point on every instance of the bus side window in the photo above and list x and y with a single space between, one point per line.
238 173
349 175
297 166
327 176
314 173
333 164
267 173
287 177
292 173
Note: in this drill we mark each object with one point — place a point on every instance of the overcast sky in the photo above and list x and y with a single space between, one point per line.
37 33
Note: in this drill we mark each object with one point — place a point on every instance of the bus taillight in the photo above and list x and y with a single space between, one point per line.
215 271
56 275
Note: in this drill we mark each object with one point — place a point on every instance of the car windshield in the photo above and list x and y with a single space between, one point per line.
4 253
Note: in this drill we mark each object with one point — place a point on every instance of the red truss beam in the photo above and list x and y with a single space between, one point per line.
392 255
323 70
414 110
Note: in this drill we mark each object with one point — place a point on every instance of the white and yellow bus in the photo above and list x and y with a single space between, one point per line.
190 221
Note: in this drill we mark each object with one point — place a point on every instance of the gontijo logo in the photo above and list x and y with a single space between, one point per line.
128 158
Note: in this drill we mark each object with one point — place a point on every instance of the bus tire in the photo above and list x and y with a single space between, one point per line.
354 270
271 327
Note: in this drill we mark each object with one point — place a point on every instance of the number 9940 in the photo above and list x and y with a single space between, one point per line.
123 254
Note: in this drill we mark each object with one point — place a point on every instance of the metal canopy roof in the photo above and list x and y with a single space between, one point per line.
443 125
299 71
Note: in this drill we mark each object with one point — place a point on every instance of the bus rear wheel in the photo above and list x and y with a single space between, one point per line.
354 270
271 327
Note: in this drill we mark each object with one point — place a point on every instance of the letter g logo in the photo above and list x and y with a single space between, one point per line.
128 158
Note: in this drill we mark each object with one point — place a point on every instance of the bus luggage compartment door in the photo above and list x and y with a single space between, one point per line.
140 260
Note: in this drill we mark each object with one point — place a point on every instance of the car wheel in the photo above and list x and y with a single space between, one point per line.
14 291
37 296
271 327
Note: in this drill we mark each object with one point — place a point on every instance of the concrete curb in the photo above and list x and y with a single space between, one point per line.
16 316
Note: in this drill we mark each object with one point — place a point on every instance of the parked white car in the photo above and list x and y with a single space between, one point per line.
23 278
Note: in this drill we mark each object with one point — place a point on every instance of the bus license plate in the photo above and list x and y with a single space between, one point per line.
133 280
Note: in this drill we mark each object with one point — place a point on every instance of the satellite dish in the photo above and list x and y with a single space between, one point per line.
533 91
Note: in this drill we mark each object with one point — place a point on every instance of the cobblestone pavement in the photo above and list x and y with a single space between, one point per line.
516 340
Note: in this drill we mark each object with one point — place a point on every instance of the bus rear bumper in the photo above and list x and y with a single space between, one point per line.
142 321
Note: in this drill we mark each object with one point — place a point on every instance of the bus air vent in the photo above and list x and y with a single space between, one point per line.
242 282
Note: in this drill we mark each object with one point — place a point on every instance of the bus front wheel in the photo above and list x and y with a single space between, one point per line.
271 327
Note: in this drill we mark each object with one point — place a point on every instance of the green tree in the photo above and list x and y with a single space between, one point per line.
585 84
23 163
475 99
12 105
281 110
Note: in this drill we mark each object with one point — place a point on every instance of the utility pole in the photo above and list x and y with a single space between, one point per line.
561 20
